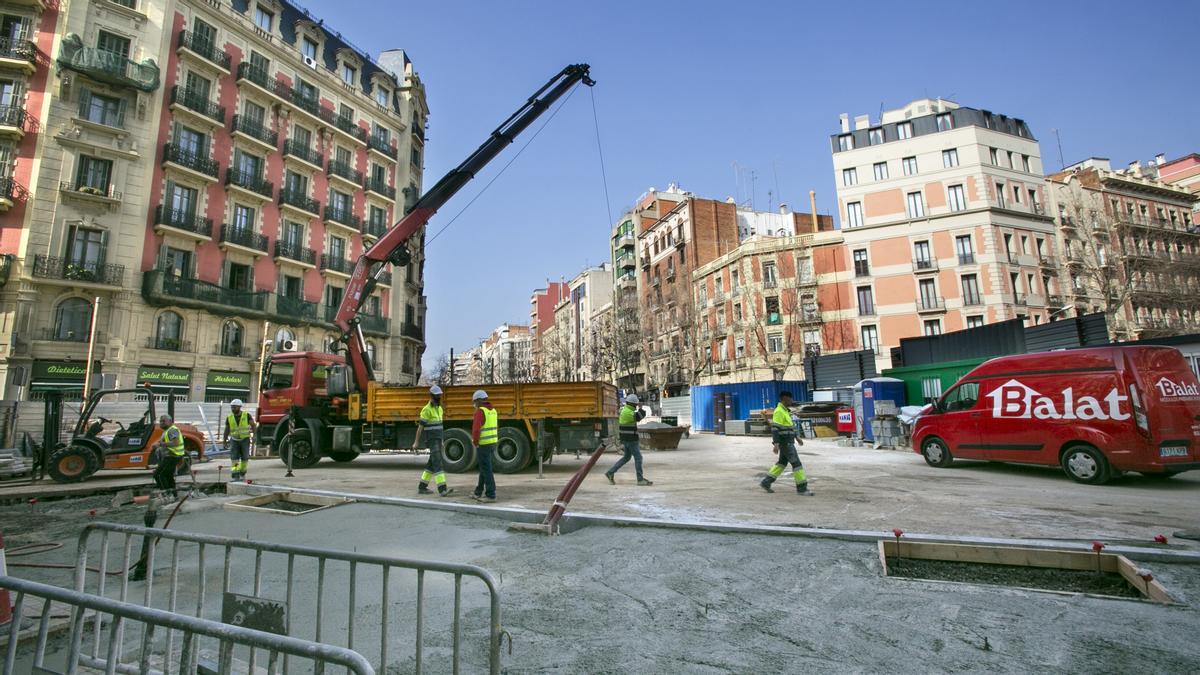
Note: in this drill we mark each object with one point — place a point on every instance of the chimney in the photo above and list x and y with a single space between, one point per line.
861 122
1160 159
1135 168
844 121
783 209
812 208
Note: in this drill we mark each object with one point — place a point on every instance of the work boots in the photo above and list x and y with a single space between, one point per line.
444 491
766 484
423 489
802 489
644 482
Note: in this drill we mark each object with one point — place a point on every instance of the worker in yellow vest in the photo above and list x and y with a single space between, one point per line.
627 421
485 430
783 433
239 429
171 452
431 424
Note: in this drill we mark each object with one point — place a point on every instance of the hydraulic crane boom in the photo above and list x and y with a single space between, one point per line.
393 245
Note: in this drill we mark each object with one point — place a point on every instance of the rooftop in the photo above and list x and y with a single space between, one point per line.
919 118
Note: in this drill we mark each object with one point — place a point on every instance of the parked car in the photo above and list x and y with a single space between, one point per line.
1094 412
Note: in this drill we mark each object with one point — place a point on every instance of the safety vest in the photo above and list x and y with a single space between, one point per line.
781 421
431 420
490 428
173 439
627 423
239 429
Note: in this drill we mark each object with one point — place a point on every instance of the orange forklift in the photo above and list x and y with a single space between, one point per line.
129 447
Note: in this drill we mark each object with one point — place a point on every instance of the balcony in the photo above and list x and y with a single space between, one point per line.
254 130
345 173
10 193
722 365
294 252
862 269
808 318
373 230
190 162
412 330
866 310
645 259
300 201
105 66
1020 299
296 150
251 184
966 258
1055 301
373 324
298 310
13 119
182 222
774 319
20 54
343 218
206 49
167 344
347 126
626 239
162 288
924 265
385 278
335 265
627 281
972 300
243 238
77 272
626 261
197 102
260 78
381 188
1048 262
382 146
931 304
87 193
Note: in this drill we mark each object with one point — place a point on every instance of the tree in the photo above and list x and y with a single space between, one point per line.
779 315
440 374
630 355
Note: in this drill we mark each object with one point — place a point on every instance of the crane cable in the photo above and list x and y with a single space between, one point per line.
600 152
505 167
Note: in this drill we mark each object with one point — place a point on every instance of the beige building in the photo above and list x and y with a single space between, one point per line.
944 220
507 355
209 170
579 347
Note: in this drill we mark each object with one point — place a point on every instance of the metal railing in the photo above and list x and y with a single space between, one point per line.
348 126
198 102
413 330
158 629
255 129
343 217
205 47
13 116
300 200
167 344
335 263
244 237
252 182
259 76
927 303
373 323
924 265
381 188
294 251
381 145
177 155
183 220
344 170
23 50
966 258
374 229
301 151
88 271
108 192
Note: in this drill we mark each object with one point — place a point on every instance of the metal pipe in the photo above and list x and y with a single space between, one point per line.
420 617
91 350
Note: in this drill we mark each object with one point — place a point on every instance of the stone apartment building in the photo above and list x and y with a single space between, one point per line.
578 347
507 355
209 170
944 222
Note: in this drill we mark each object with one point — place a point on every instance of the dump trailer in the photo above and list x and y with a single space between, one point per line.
534 417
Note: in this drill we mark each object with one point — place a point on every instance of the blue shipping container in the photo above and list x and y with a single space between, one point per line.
747 396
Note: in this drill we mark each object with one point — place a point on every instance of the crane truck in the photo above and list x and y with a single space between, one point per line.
313 405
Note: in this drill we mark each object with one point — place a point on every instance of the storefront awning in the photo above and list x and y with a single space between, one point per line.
237 383
60 375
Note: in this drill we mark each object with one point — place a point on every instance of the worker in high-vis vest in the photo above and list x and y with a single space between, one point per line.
783 434
485 430
627 421
171 452
239 429
431 425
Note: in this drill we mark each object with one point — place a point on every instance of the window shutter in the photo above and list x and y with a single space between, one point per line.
162 256
103 257
122 104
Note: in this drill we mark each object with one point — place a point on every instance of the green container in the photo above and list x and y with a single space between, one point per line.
925 382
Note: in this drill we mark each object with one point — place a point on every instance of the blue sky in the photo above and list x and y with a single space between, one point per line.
684 90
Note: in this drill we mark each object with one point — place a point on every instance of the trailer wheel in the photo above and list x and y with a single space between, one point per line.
512 450
1085 464
458 454
72 463
299 445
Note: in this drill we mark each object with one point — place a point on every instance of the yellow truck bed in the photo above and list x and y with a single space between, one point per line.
527 402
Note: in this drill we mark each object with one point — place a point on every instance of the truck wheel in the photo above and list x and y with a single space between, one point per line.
1085 464
512 450
936 453
344 455
72 463
298 444
458 454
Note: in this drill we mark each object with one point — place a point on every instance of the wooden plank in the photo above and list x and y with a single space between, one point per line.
1153 590
1005 555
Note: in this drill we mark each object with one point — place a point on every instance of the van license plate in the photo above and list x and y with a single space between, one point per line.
1173 451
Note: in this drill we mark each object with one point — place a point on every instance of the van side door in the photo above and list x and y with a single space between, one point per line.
958 420
1009 431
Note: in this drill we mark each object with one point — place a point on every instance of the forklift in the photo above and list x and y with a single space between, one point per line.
130 447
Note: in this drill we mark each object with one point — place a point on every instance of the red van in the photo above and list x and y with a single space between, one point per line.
1094 412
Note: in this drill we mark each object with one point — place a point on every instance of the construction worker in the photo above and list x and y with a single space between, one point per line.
239 427
431 424
485 429
783 433
171 452
628 418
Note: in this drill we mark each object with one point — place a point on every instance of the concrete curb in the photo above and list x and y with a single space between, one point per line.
576 521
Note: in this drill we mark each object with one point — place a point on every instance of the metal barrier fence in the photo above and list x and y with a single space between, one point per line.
150 659
191 590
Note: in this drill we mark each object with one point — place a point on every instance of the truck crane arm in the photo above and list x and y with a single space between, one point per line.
393 245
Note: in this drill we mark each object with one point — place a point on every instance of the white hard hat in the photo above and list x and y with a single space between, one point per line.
632 398
236 402
479 395
435 390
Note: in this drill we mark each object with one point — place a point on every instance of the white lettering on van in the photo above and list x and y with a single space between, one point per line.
1170 389
1017 400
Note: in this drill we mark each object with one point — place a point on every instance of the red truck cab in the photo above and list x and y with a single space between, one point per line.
1094 412
291 379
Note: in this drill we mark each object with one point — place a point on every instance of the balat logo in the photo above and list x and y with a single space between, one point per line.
1168 388
1017 400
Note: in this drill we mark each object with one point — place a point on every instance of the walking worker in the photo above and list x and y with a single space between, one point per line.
239 428
171 453
485 429
627 421
783 432
431 424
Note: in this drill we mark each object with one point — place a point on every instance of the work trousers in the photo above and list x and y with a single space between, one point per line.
632 451
787 455
164 475
433 467
486 486
239 456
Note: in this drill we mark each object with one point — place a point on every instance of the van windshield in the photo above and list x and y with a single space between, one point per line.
962 397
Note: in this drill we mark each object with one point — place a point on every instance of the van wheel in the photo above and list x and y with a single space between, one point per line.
512 450
1085 464
936 453
458 455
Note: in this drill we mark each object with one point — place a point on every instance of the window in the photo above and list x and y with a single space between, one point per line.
292 287
734 281
73 320
962 397
849 177
921 255
263 19
932 327
243 218
737 311
945 122
994 155
333 296
191 142
1009 155
204 34
231 339
845 142
866 301
94 174
382 96
337 247
854 217
259 64
974 321
771 305
308 48
414 156
168 331
775 342
339 202
1016 194
915 205
346 114
254 113
112 44
349 73
910 166
85 251
964 249
381 134
931 388
377 216
371 306
249 166
177 262
904 130
307 91
100 109
957 198
1000 196
769 278
295 183
1033 202
929 297
870 338
881 172
238 277
197 87
1025 164
293 235
1015 279
861 267
875 136
1025 244
804 270
950 158
970 290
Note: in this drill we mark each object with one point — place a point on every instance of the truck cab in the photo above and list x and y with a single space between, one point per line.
291 379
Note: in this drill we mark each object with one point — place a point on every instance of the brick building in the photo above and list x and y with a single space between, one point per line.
541 319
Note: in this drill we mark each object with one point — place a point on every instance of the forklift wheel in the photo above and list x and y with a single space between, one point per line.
72 463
